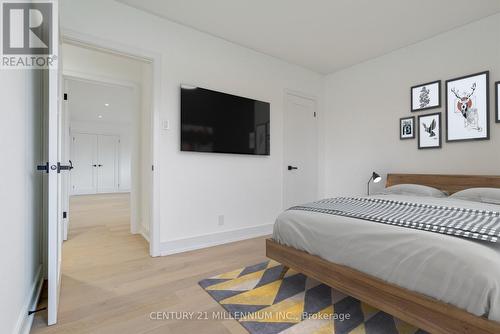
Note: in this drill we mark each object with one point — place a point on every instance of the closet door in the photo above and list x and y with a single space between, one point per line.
84 158
107 157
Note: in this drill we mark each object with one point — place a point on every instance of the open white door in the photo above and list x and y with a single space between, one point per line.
53 189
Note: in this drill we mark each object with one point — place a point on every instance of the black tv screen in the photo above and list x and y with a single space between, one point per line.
222 123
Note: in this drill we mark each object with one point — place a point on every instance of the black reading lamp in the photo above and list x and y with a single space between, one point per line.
376 179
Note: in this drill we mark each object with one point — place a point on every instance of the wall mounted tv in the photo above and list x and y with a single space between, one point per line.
222 123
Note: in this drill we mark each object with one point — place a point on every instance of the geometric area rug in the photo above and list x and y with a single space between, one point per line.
265 304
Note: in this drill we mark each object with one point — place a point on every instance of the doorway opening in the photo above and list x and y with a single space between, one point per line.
106 126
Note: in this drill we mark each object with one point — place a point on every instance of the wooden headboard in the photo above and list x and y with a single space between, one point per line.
449 183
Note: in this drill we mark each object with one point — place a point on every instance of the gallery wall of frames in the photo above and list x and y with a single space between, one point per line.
466 115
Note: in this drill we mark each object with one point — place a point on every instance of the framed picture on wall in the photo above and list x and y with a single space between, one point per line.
426 96
467 108
429 131
497 103
407 128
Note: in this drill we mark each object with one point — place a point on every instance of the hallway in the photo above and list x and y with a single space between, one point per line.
110 284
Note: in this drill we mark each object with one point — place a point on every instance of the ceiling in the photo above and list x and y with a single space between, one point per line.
87 101
322 35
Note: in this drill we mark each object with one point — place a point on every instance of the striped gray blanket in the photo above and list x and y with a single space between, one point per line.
467 223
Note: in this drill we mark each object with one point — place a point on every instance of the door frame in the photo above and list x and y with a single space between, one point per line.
319 176
154 58
66 147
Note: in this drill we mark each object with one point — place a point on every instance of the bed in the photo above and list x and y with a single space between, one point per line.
440 283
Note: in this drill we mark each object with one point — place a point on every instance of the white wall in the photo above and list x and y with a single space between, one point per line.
197 188
79 60
20 196
125 148
365 102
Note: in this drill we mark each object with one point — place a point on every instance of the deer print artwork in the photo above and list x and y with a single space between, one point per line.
465 108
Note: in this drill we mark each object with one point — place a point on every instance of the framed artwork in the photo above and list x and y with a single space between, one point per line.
497 95
467 108
426 96
407 128
429 131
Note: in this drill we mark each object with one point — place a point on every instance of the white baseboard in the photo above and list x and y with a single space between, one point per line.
144 232
214 239
118 191
25 321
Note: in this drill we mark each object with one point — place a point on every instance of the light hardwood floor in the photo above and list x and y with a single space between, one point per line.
110 284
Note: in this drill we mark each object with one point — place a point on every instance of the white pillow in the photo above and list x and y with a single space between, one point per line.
483 195
413 190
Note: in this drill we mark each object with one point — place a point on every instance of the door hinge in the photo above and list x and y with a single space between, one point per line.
152 168
65 215
314 114
65 96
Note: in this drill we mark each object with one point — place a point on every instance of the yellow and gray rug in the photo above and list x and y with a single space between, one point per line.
265 304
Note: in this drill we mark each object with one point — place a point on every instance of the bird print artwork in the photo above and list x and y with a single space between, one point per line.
429 135
430 128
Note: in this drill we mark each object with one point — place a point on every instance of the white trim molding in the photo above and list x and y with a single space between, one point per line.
214 239
24 321
143 231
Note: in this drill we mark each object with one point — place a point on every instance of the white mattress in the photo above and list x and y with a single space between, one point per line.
458 271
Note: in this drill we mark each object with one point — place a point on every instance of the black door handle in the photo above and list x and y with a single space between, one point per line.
100 165
94 165
64 167
292 167
43 167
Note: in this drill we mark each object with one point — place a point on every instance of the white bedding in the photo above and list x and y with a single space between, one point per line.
462 272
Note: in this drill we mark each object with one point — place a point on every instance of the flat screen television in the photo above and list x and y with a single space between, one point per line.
222 123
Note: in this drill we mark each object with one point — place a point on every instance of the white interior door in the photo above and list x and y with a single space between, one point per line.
84 158
53 197
107 157
300 151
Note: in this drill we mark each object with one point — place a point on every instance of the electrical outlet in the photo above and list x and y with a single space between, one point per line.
221 220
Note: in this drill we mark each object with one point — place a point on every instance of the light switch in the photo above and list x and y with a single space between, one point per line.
166 125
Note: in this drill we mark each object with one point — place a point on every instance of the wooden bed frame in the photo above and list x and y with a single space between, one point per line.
417 309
